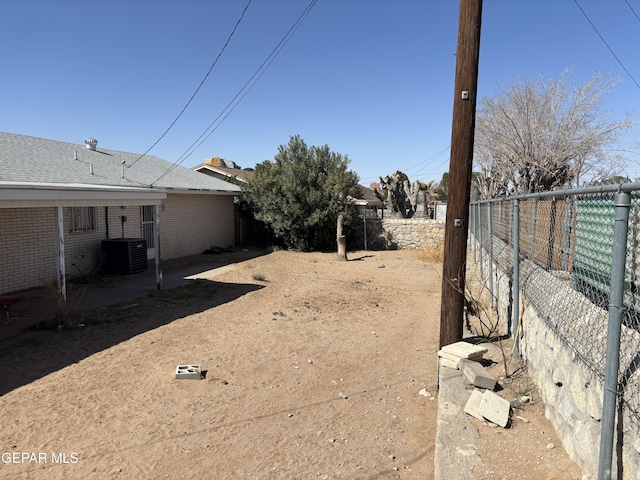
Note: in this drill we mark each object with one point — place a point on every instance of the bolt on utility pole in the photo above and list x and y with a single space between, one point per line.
460 166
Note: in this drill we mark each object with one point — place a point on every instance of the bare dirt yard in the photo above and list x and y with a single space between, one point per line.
315 368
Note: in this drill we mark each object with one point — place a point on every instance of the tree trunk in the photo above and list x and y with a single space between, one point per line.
342 241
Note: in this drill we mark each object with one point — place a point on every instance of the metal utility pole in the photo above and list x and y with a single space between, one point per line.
461 163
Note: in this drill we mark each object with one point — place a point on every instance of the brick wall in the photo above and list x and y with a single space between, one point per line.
192 223
27 257
189 224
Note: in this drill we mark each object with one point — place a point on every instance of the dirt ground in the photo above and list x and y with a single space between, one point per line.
315 368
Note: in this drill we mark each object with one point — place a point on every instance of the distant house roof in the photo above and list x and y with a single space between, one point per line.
365 197
226 173
50 164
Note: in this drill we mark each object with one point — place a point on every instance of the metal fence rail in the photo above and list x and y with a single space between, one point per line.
568 241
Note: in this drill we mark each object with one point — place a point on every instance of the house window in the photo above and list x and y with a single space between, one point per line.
83 219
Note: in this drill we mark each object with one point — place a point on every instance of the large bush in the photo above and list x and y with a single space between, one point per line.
300 194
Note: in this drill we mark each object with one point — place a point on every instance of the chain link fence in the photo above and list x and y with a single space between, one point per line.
564 244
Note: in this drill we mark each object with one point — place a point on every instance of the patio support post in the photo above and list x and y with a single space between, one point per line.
156 239
61 278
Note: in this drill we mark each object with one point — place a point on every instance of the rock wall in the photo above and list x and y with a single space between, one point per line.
405 233
572 393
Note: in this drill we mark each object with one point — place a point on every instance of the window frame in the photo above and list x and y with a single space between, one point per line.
83 219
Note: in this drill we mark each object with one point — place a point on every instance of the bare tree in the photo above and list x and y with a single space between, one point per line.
534 136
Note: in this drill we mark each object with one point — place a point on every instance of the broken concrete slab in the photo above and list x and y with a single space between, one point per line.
464 349
476 374
445 362
473 403
494 408
451 356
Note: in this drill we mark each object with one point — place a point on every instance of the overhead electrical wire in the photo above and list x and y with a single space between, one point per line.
213 126
429 161
423 164
606 44
199 86
634 12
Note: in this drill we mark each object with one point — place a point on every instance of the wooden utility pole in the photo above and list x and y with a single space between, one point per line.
461 163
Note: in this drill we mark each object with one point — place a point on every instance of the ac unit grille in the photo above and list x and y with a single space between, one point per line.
124 256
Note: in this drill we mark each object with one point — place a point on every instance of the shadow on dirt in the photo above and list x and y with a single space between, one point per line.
35 354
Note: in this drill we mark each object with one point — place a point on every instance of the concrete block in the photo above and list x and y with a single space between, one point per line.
445 362
494 408
476 374
188 372
455 358
473 403
464 350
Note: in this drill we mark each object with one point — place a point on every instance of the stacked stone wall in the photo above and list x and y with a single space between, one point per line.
407 233
572 393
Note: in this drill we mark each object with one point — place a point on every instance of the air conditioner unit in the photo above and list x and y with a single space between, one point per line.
124 256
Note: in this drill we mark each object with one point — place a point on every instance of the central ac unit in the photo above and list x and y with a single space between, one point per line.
124 256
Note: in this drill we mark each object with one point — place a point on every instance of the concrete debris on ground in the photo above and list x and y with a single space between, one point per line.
488 406
476 374
451 354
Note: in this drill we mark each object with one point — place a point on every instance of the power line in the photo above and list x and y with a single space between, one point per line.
606 44
199 86
419 173
431 160
634 12
213 126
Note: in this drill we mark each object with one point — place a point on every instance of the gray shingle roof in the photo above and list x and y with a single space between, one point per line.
31 159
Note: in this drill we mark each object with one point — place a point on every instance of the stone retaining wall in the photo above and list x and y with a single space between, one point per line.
406 233
572 394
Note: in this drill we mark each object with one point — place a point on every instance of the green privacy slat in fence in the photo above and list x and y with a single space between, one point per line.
594 245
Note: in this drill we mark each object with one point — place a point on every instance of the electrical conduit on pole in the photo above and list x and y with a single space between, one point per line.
619 254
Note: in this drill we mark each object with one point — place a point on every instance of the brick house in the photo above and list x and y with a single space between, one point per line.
59 201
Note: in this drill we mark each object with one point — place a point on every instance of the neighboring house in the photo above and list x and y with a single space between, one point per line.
248 229
225 170
59 200
367 200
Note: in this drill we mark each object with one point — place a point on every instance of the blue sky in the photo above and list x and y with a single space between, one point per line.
373 79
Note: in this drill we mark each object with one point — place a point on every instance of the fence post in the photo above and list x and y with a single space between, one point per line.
472 229
621 226
479 220
532 236
565 250
364 219
515 281
551 245
490 248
